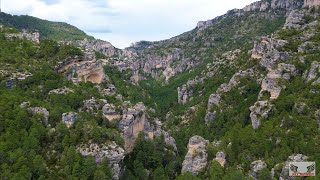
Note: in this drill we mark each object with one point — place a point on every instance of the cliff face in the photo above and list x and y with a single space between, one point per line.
311 3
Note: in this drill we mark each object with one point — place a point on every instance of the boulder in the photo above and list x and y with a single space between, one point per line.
69 118
221 158
314 70
110 112
196 157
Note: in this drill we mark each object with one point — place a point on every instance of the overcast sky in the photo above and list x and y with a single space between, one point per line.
122 22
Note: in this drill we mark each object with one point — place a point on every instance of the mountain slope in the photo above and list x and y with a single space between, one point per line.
49 30
235 98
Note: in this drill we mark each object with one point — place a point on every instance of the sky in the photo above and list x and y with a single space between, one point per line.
123 22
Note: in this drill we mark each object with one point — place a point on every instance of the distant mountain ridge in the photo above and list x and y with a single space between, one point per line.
48 30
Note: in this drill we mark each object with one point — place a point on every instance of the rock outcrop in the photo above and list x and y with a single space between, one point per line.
81 69
311 3
91 45
314 71
196 157
256 167
69 118
34 37
134 120
111 151
295 20
40 111
259 110
63 90
221 158
109 112
93 105
183 94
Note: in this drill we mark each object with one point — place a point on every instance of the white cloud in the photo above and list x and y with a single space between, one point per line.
125 21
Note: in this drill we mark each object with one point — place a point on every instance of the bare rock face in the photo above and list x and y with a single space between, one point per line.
286 4
311 3
41 111
285 170
134 121
104 47
221 158
69 118
210 116
314 70
110 112
214 99
295 20
196 157
82 69
34 37
113 152
256 167
63 90
92 105
259 110
183 94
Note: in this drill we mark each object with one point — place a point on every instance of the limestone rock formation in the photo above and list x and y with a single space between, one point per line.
34 37
134 120
183 94
210 116
259 110
285 170
40 111
311 3
96 45
256 167
63 90
69 118
82 69
314 71
111 151
221 158
110 112
92 105
295 20
196 157
168 139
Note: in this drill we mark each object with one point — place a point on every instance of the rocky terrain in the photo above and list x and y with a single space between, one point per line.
237 97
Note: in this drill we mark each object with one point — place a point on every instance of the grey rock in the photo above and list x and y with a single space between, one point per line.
196 157
34 36
295 20
259 110
214 99
210 116
221 158
311 3
69 118
314 70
